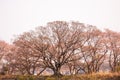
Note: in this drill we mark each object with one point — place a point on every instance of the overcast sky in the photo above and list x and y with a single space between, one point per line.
17 16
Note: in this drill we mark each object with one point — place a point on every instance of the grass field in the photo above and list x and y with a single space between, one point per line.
94 76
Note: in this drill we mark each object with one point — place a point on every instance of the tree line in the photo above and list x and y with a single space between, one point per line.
78 47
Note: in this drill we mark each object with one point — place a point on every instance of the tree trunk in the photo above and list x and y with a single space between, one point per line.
57 72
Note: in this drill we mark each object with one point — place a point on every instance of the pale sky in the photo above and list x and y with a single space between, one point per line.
17 16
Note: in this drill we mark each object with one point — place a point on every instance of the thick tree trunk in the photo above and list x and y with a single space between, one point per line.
57 72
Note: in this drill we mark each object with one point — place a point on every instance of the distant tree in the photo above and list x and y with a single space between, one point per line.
28 54
63 44
4 47
10 58
92 50
113 44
